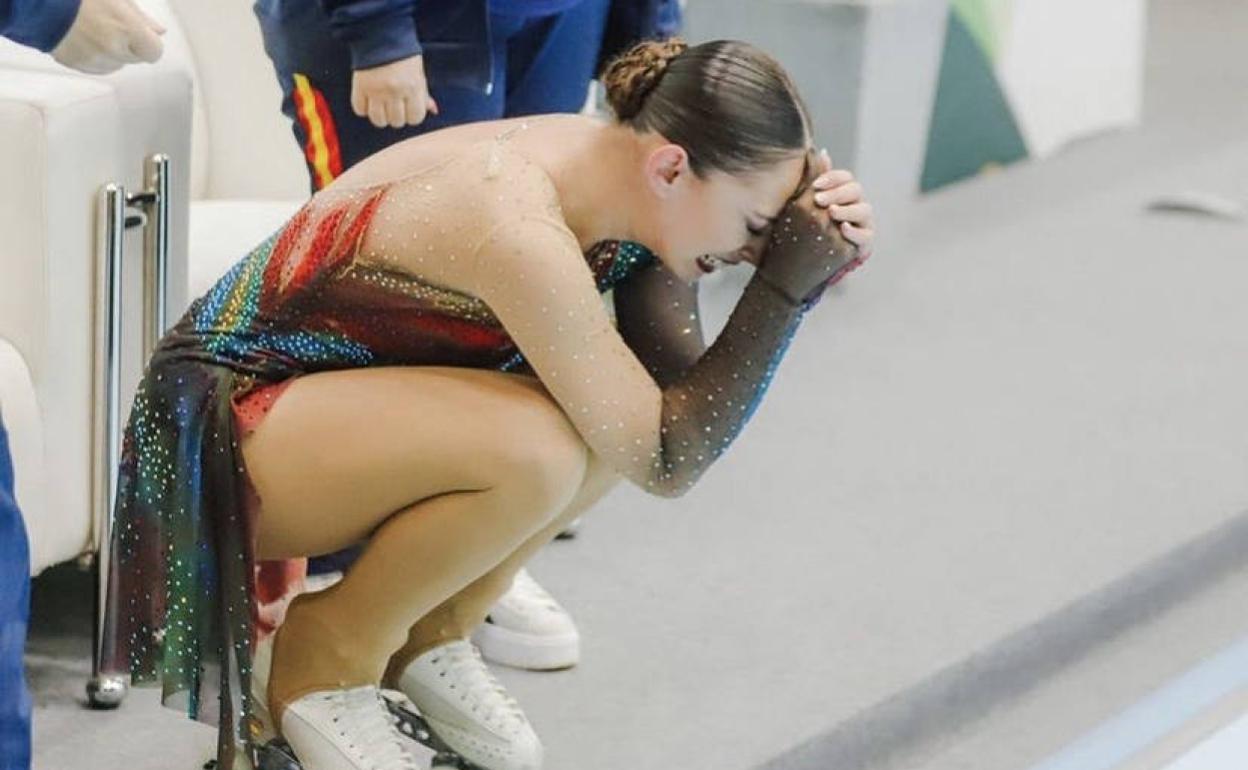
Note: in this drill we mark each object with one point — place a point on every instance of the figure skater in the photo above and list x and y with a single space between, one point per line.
421 361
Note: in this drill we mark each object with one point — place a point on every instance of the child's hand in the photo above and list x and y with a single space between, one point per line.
393 94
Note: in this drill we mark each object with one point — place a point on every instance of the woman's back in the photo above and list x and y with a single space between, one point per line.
381 266
412 155
442 196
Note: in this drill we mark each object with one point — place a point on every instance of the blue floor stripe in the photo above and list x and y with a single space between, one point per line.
1226 749
1158 714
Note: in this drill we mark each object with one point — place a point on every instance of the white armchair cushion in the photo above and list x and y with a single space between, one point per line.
176 60
61 136
250 150
223 232
65 136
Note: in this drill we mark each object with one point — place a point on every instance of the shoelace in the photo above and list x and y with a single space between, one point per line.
532 590
414 726
464 662
362 718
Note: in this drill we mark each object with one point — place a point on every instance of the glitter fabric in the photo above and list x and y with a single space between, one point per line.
465 262
184 581
661 437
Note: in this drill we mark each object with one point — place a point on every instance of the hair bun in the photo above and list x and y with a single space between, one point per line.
631 77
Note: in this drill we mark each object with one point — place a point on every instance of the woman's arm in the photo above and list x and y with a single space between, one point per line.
657 315
533 275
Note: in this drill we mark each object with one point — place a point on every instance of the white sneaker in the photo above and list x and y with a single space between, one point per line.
347 729
469 710
526 628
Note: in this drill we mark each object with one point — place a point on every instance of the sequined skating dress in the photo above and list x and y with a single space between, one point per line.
184 572
362 277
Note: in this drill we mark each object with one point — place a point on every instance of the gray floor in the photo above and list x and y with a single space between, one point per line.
996 492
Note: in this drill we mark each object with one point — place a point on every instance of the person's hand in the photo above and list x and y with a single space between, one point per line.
837 190
807 250
393 94
107 35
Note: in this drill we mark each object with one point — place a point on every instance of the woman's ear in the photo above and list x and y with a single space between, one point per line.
666 167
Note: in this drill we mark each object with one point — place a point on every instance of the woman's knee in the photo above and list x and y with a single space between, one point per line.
541 456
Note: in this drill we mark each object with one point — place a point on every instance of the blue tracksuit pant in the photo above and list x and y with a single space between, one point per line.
540 64
14 615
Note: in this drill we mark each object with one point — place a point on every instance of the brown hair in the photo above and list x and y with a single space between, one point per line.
731 106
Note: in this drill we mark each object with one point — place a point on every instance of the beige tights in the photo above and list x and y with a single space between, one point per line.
430 572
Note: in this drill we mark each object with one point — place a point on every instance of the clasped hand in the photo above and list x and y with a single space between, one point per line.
825 232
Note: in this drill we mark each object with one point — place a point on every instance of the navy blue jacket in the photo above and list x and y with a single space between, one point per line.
454 34
631 21
37 23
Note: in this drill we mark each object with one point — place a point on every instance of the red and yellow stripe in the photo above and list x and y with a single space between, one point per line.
321 145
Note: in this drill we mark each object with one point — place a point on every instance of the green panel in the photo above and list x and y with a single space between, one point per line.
978 16
972 123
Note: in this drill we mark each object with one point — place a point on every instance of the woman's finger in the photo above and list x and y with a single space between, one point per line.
859 214
830 179
850 192
862 237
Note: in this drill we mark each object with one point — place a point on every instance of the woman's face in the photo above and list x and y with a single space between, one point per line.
720 219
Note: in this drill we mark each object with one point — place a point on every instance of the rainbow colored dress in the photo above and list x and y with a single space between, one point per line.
183 573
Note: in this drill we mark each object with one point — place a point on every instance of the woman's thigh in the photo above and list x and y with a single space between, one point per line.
339 452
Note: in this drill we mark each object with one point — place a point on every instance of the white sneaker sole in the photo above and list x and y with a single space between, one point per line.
476 751
528 651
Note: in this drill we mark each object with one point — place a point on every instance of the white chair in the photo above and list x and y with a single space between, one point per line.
248 175
229 183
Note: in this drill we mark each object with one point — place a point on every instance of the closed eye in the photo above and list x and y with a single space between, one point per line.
757 230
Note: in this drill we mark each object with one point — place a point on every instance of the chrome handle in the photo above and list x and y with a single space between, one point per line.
106 417
155 202
107 401
120 211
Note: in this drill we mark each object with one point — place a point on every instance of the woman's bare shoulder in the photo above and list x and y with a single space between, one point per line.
482 185
517 184
485 203
519 204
